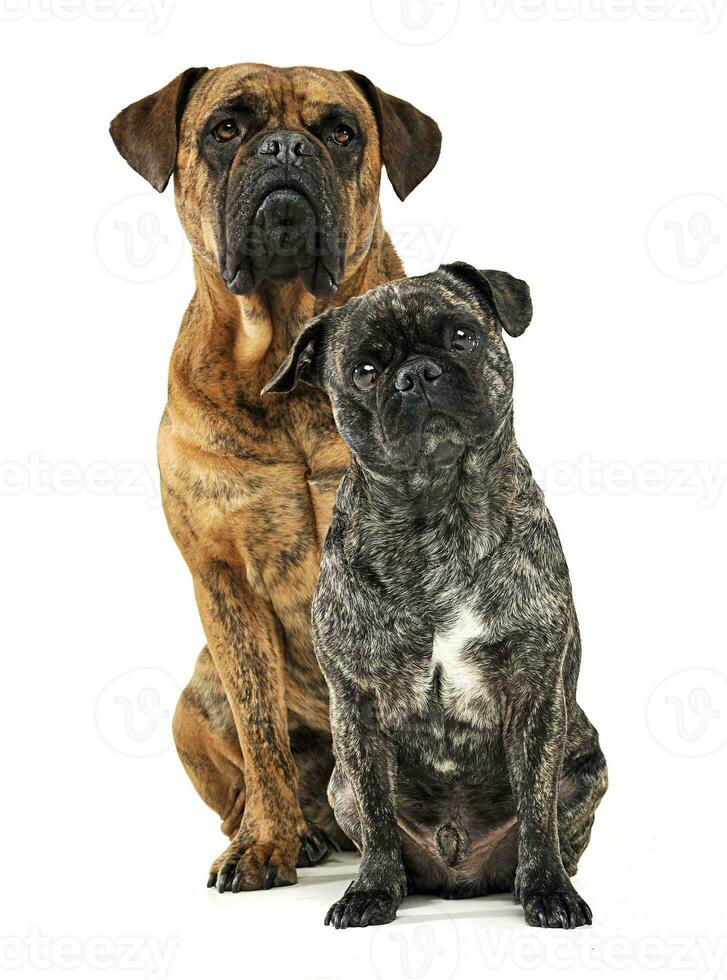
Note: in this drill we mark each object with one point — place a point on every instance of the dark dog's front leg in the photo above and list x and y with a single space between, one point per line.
368 760
534 739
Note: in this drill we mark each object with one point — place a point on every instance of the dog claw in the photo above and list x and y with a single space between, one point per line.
254 867
314 846
560 909
361 908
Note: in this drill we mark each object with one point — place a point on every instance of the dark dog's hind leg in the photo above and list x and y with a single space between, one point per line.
314 759
345 807
583 784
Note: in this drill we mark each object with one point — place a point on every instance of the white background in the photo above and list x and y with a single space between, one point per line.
569 130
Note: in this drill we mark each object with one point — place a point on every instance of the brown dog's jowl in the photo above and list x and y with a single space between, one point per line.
276 179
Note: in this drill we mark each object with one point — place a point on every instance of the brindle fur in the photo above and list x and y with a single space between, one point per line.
443 616
248 484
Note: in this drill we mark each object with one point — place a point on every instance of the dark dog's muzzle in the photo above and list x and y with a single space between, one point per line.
431 412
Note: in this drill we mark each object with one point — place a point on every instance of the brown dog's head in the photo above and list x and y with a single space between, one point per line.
277 170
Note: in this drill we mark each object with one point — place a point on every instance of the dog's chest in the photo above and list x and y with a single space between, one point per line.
455 673
443 708
452 677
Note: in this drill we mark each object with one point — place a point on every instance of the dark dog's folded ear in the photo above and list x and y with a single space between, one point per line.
146 133
509 296
301 362
410 140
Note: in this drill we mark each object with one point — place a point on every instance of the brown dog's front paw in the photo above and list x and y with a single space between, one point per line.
363 908
251 867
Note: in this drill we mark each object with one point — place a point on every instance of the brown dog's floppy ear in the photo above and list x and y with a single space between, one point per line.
410 140
146 132
300 364
509 296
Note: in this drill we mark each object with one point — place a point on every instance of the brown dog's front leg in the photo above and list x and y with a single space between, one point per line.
245 642
534 736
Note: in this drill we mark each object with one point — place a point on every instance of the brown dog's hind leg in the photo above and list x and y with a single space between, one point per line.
208 746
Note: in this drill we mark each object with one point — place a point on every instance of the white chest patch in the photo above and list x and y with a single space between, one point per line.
459 674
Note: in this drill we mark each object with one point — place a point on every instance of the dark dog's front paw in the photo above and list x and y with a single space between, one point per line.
550 900
315 845
561 909
363 908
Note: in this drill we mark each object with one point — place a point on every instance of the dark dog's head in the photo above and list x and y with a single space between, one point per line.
416 370
277 170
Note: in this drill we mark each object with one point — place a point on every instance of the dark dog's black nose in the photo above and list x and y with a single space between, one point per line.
416 371
286 146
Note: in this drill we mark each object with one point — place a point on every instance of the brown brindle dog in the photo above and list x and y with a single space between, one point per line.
277 176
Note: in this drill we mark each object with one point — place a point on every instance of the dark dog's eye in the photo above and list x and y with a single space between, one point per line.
365 376
226 131
462 339
342 135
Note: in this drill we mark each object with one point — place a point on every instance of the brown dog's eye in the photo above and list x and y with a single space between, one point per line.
462 339
226 131
365 376
342 135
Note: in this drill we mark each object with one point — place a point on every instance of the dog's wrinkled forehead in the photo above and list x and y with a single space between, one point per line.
279 97
409 312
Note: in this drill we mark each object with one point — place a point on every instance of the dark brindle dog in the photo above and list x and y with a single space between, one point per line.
443 617
277 176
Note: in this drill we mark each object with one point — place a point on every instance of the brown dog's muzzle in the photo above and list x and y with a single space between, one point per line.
282 217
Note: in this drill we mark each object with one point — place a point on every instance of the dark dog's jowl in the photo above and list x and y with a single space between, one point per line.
443 616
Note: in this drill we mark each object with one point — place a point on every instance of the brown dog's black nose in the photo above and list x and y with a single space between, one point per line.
416 371
287 146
